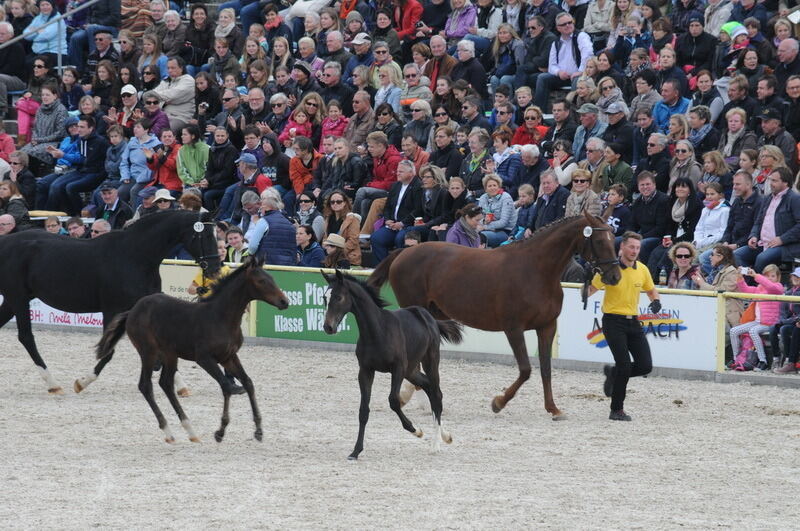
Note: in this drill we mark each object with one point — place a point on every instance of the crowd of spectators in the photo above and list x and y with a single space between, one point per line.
316 129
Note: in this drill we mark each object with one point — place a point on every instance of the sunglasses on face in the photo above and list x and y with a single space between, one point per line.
273 105
384 113
148 74
580 180
502 112
607 87
683 256
305 201
531 118
416 110
650 144
38 66
337 201
410 76
151 103
681 151
312 104
465 108
380 52
226 100
440 114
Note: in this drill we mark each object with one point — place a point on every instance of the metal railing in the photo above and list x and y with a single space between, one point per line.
54 20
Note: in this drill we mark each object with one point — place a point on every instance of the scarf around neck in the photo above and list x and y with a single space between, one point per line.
697 136
469 231
679 210
222 32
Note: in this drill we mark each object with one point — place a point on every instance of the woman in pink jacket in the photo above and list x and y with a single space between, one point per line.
767 312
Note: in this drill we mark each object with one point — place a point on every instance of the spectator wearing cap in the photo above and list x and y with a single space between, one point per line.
788 62
362 48
306 81
774 134
672 103
147 196
125 116
114 210
619 130
775 237
695 47
590 126
568 56
163 200
469 68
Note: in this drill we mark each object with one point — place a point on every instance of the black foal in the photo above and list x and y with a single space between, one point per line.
206 332
396 342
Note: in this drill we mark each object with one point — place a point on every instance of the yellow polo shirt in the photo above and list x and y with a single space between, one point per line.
623 299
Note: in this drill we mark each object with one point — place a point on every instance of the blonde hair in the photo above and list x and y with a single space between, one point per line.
391 72
720 166
774 152
684 125
771 268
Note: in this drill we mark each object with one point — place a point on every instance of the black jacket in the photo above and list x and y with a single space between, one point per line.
12 60
450 205
553 210
537 53
410 205
748 105
352 173
433 206
473 73
276 166
117 217
741 217
530 174
690 219
697 51
621 133
106 13
449 159
394 132
221 167
651 219
342 93
565 132
93 148
658 164
201 44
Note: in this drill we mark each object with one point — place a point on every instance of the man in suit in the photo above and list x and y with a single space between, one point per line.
551 204
403 206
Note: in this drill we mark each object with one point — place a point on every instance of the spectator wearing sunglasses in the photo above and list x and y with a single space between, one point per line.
581 197
153 112
413 91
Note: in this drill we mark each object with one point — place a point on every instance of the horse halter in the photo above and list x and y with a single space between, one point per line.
594 265
199 227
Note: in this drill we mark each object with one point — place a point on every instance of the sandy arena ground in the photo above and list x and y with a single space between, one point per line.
698 454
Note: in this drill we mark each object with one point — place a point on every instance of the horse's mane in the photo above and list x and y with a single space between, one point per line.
373 292
221 284
547 229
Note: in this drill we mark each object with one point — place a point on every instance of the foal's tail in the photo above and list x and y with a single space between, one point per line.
112 335
451 331
381 273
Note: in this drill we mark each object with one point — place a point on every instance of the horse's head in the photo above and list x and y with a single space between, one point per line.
598 249
201 242
337 301
263 285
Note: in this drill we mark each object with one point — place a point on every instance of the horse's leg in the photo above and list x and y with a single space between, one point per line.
146 388
516 339
365 378
25 336
212 368
180 385
431 365
234 366
394 400
167 383
545 336
84 382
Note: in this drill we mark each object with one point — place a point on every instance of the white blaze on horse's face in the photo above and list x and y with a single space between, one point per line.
326 296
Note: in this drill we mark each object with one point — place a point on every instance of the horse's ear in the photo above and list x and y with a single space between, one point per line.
207 217
328 278
339 275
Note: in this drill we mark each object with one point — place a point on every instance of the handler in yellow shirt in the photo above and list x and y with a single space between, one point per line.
621 327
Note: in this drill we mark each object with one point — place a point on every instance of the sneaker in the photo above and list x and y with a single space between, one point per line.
762 366
608 385
619 415
788 368
731 365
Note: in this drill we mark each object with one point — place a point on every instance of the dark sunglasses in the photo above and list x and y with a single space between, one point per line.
681 151
151 102
384 113
608 87
580 180
312 104
226 100
305 201
38 66
440 114
380 52
683 256
410 76
650 144
276 104
465 107
145 73
531 118
337 201
502 112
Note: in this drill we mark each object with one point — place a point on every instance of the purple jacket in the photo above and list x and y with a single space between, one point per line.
457 235
463 23
160 122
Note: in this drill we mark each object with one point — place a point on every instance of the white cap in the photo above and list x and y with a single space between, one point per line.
128 89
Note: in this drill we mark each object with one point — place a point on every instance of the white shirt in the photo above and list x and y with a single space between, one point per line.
400 199
564 61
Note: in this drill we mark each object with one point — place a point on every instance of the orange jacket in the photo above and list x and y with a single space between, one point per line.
300 175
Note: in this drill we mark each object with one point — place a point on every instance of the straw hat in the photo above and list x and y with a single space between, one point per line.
334 240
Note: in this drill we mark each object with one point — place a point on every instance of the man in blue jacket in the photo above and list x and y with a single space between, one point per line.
552 202
672 103
775 237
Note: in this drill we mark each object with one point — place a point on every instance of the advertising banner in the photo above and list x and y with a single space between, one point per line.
681 336
44 314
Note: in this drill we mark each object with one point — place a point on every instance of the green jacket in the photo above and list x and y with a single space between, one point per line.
192 160
619 174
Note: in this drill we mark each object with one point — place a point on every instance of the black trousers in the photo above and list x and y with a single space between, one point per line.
790 335
626 339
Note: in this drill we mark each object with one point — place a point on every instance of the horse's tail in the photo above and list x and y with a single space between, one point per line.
451 331
112 335
381 273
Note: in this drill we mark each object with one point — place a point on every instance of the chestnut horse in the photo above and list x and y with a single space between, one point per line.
512 288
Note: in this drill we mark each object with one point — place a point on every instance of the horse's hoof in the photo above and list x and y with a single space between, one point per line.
259 435
77 387
183 392
218 436
55 391
497 404
559 416
447 438
352 457
170 440
418 433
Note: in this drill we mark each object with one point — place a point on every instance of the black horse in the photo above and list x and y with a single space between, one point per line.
106 274
206 332
396 342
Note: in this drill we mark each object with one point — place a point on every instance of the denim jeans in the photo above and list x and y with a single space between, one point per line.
249 15
43 187
84 182
385 239
495 237
758 258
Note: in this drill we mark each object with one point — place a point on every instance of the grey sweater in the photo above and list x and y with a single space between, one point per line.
49 124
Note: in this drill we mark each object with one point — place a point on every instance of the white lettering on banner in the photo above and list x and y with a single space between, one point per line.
287 324
295 298
315 294
681 336
41 313
315 318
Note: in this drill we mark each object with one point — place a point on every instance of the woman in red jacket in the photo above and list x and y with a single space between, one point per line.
164 163
531 131
406 15
301 170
